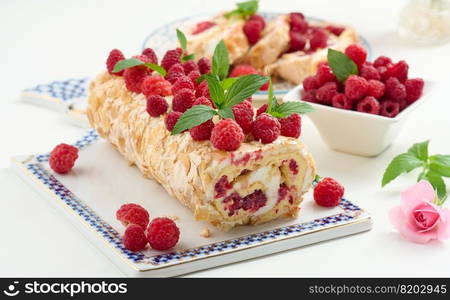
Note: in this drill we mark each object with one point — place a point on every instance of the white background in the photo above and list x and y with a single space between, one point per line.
42 41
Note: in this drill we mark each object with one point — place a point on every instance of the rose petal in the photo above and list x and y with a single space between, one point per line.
426 216
417 194
443 229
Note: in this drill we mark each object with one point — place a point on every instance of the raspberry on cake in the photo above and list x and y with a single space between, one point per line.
156 105
266 128
227 135
202 132
114 57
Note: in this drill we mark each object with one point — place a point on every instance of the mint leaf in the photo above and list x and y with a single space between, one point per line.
127 63
438 184
440 164
244 87
226 113
215 90
220 61
133 62
244 9
156 68
288 108
402 163
341 65
181 39
188 57
420 150
194 116
272 99
228 82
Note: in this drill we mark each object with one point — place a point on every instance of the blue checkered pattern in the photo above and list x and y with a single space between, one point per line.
113 237
64 90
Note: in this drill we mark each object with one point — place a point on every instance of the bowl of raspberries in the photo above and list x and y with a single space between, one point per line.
359 105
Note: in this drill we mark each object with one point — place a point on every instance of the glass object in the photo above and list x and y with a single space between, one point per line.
425 22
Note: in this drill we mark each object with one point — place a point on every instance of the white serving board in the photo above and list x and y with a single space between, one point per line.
102 181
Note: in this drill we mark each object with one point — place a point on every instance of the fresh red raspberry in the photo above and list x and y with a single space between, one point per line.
171 57
243 69
298 22
193 75
175 72
356 87
291 126
266 128
261 109
414 88
182 83
382 61
134 238
151 55
356 53
311 83
243 114
171 119
369 72
204 65
383 73
394 89
183 100
376 89
253 29
336 30
202 26
143 58
324 74
369 105
156 85
203 101
202 132
398 70
309 96
201 89
297 41
328 192
134 77
189 66
258 18
227 135
403 104
319 38
156 105
327 92
162 234
389 108
341 101
131 213
62 158
113 58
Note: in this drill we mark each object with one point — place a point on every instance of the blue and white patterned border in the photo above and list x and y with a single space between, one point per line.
35 166
64 90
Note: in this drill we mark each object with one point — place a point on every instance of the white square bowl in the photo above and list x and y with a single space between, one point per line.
355 132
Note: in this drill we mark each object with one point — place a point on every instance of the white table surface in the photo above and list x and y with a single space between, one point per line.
47 40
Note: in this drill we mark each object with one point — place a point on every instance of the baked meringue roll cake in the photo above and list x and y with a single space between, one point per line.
254 184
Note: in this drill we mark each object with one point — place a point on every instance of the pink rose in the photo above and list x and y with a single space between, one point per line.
418 219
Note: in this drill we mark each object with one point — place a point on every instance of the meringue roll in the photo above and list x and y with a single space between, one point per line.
256 183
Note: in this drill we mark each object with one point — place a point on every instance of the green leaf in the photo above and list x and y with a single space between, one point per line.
188 57
127 63
194 116
156 68
182 39
244 9
438 184
220 61
288 108
226 113
244 87
341 65
228 82
271 99
440 164
420 150
215 90
402 163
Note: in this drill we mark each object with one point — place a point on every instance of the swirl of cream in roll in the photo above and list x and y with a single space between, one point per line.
256 183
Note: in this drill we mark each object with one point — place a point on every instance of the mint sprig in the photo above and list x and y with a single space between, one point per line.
341 65
285 109
244 9
192 117
433 167
133 62
220 61
183 44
